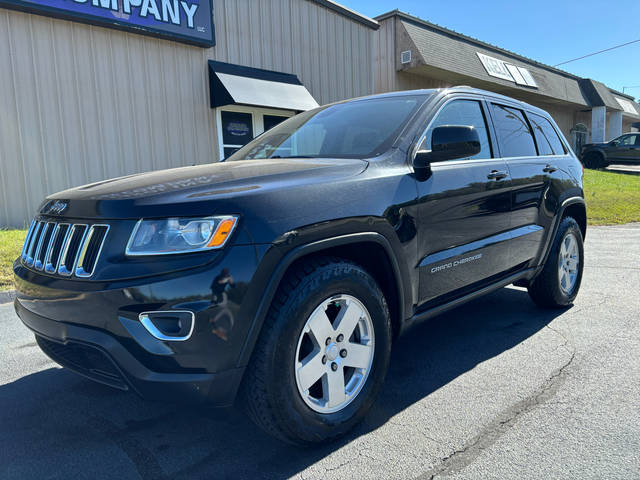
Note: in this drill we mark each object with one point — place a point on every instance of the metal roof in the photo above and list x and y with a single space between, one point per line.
448 50
347 12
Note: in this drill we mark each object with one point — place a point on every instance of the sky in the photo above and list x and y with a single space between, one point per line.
544 30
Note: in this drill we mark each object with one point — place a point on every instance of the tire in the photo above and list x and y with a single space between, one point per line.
594 160
271 392
559 281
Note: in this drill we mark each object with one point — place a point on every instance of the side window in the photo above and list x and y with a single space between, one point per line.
546 136
513 130
463 112
628 140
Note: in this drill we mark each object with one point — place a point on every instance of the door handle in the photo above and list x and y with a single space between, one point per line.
549 169
497 175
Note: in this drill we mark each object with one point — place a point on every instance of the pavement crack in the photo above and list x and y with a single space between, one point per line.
460 458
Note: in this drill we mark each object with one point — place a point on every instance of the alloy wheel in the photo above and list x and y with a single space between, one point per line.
334 354
568 263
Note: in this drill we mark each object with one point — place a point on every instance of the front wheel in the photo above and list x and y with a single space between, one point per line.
322 355
559 281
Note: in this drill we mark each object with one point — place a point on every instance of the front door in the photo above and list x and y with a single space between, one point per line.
629 148
464 211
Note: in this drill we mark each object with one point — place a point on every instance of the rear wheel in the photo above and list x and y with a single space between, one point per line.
558 283
322 355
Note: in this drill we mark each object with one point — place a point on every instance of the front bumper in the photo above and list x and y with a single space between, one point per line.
100 357
93 328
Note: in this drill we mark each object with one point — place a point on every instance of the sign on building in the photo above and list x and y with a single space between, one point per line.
501 69
189 21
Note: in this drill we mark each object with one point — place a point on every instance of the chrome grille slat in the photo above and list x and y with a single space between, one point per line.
90 251
72 250
33 243
43 245
27 240
63 248
57 244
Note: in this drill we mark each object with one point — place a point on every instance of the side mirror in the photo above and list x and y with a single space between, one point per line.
448 142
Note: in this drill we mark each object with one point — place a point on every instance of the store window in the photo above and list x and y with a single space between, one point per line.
237 125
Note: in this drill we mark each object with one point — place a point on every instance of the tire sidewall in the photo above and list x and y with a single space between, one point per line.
318 287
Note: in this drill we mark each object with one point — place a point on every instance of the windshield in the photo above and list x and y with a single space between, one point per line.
358 129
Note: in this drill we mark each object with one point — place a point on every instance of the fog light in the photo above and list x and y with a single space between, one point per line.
170 325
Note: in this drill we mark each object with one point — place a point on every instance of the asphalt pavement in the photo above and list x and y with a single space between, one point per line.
494 389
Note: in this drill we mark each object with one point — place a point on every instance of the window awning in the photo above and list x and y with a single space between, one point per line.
235 84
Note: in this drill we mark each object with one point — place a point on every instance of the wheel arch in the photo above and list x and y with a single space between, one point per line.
578 211
574 207
355 247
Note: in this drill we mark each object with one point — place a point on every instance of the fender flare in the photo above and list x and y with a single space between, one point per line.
302 250
556 224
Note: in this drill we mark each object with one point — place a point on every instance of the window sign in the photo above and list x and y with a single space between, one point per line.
189 21
526 74
495 67
506 71
238 125
237 131
515 73
626 105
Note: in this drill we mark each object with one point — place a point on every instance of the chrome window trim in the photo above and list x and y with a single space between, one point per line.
78 269
153 330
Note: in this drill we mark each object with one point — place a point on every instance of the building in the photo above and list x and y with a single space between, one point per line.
96 89
412 53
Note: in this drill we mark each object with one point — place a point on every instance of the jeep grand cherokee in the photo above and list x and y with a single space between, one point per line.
282 275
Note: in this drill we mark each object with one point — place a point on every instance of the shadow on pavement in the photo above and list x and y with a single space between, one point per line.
57 424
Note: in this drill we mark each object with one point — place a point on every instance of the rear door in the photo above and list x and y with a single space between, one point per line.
464 209
535 155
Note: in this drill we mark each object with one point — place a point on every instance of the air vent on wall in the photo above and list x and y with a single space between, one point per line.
405 57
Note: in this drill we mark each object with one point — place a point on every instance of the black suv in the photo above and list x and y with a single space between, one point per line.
283 274
624 149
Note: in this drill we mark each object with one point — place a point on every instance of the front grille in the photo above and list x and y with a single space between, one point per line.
64 249
84 359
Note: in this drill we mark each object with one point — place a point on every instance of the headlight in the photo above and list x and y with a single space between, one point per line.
180 235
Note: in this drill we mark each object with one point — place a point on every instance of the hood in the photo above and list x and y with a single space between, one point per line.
193 191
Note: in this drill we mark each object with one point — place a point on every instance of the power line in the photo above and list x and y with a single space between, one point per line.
596 53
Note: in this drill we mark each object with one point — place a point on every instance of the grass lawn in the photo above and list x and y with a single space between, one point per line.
611 197
10 248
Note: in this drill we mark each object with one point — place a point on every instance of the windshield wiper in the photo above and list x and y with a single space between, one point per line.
292 156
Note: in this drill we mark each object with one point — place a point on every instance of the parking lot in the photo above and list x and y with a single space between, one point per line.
495 389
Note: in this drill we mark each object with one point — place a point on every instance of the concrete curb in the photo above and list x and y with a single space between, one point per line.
7 296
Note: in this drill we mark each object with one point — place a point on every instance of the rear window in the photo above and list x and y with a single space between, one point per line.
513 132
546 136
